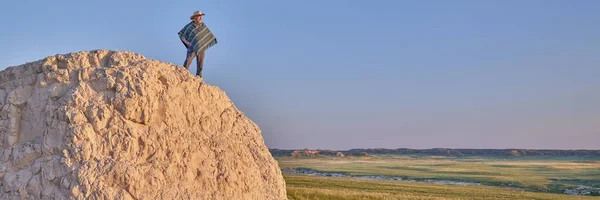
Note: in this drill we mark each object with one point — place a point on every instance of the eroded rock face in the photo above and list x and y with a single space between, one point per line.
115 125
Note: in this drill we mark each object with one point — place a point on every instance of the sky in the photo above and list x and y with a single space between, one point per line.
341 74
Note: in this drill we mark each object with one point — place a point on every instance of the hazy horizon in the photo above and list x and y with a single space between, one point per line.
344 75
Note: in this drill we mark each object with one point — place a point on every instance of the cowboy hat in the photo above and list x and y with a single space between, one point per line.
196 13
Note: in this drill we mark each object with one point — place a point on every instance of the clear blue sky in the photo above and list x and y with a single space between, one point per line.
358 74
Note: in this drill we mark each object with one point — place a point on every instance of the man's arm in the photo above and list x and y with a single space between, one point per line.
188 43
181 36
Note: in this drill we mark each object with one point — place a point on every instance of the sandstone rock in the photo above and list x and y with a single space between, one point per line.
114 125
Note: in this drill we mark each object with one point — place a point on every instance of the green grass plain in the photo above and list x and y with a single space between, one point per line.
502 178
322 188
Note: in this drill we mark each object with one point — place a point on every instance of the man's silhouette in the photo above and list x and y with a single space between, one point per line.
197 38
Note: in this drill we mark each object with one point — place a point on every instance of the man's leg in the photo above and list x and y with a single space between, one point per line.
200 63
188 59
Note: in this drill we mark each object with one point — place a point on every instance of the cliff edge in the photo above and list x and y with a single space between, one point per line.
114 125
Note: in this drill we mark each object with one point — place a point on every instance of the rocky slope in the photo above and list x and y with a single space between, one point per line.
115 125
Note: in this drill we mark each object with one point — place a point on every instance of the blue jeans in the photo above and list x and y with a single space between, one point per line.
190 54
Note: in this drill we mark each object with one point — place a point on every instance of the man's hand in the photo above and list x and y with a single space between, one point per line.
187 43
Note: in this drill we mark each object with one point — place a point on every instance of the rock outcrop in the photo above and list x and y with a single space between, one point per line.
114 125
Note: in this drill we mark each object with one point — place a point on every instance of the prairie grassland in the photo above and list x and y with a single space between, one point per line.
326 188
538 174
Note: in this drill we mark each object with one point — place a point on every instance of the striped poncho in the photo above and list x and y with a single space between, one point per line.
199 35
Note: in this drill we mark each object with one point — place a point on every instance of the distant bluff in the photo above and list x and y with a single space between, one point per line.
307 153
114 125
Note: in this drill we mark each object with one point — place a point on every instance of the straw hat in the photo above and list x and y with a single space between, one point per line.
196 13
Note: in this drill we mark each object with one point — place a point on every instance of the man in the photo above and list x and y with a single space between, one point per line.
196 37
